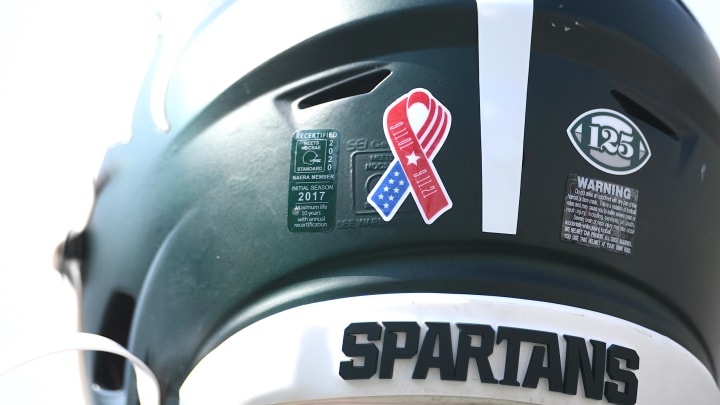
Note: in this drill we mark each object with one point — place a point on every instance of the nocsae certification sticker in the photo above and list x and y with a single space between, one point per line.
312 190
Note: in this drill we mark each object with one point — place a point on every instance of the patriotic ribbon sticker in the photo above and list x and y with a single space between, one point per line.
416 126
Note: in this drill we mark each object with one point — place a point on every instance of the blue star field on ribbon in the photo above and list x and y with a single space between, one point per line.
391 191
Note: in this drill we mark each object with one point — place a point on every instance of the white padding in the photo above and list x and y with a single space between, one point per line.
295 355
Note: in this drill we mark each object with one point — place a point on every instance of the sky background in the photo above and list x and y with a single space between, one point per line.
69 74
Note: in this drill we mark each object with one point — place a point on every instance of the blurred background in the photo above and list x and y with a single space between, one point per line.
69 74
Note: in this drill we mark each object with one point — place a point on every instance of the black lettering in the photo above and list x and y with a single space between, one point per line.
577 363
536 366
480 353
607 372
368 351
438 334
628 395
512 353
391 351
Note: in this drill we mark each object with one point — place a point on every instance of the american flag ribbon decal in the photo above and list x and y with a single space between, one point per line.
416 126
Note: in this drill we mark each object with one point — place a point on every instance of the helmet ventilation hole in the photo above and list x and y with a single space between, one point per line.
355 86
644 114
110 368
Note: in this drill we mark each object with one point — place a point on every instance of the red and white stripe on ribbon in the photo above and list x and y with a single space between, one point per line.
410 145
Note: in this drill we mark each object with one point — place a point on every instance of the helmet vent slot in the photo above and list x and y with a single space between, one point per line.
644 114
109 370
354 86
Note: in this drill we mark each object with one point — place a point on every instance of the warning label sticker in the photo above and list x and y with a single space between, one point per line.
599 214
313 183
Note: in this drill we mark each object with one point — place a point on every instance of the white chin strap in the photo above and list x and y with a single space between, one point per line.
147 384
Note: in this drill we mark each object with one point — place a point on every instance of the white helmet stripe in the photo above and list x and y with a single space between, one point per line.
504 33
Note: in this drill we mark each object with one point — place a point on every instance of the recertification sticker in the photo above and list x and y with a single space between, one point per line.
312 190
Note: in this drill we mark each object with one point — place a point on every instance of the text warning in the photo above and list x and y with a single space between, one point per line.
599 214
